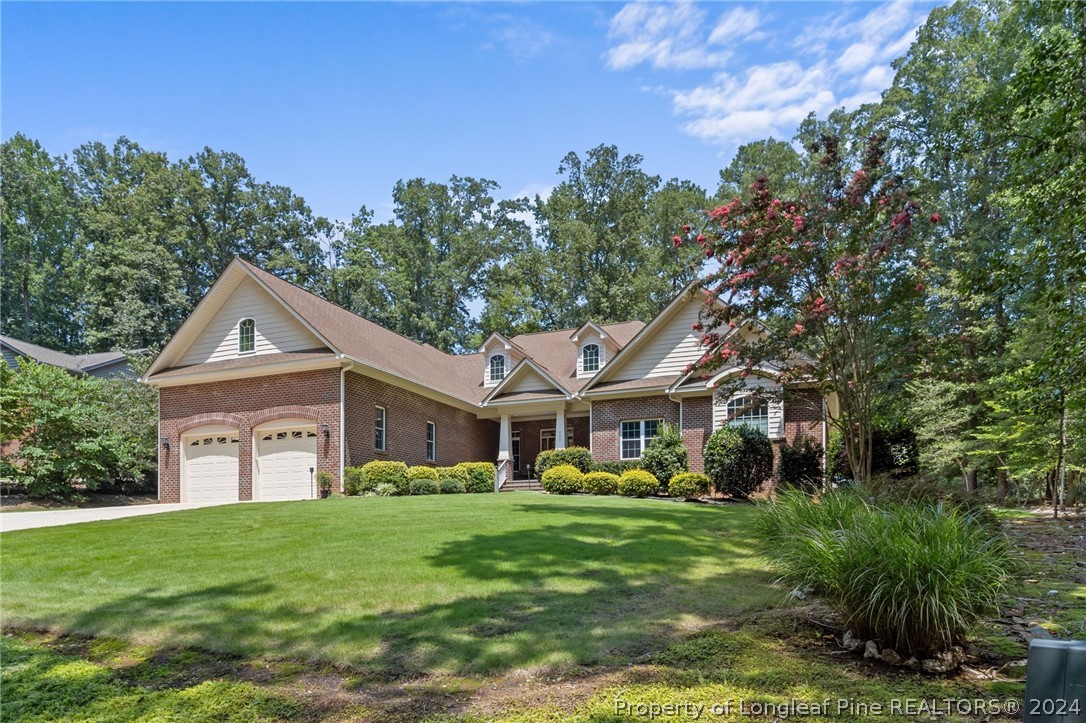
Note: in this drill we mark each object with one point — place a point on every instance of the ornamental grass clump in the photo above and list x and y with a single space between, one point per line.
565 479
912 576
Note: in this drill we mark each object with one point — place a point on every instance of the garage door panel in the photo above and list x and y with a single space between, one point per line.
284 460
211 470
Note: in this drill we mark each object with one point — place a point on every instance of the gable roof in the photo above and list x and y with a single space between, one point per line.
523 368
557 353
75 363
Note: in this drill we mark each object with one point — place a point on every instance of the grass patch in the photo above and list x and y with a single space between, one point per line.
397 586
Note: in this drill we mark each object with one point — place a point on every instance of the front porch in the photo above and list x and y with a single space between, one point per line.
525 432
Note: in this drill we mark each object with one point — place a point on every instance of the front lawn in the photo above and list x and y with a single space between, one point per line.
395 586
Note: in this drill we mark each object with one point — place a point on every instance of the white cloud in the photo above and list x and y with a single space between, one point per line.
520 37
841 59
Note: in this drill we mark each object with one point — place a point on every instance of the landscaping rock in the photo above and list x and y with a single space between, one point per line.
941 663
1036 632
1053 593
912 664
891 657
871 650
851 643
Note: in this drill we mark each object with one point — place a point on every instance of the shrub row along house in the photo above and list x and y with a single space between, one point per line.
266 384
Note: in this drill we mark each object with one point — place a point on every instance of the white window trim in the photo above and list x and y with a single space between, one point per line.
431 456
383 428
644 441
490 380
514 444
598 343
551 433
585 371
249 351
740 421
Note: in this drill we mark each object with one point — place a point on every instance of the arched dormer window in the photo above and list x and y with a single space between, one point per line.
246 336
497 368
590 358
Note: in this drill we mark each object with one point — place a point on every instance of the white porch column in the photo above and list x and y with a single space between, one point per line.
560 429
505 440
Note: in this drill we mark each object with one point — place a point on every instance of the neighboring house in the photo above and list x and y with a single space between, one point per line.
103 364
265 384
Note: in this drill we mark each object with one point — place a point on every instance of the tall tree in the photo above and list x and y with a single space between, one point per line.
41 235
769 157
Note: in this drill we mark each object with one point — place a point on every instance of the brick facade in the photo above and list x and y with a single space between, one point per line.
529 439
244 404
607 414
803 415
697 426
461 436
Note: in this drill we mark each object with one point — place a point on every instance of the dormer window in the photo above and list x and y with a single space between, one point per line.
497 368
246 336
590 358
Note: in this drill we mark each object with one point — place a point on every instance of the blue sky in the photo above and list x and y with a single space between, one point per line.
339 100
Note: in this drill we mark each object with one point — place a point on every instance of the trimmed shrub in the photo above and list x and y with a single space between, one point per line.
665 456
600 483
616 468
450 486
480 476
380 472
564 479
801 464
385 489
690 485
912 576
637 483
422 472
354 481
423 487
579 457
458 472
738 459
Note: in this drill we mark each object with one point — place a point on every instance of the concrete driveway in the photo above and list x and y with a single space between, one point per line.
51 518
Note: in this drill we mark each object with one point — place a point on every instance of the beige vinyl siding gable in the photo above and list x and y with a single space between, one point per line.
670 349
528 380
589 338
277 330
776 406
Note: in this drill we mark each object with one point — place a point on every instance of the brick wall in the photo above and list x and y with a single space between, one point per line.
244 404
461 436
697 426
607 414
529 439
802 415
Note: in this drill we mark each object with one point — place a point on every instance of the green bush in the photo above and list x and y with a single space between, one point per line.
450 486
325 481
423 486
379 472
579 457
738 459
601 483
564 479
480 476
801 464
637 483
913 576
458 472
665 456
354 481
385 489
422 472
690 485
616 468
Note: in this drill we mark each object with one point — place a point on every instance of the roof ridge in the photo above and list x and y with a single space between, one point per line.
574 328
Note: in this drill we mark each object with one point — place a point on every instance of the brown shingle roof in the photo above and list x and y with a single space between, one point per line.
554 351
242 363
629 384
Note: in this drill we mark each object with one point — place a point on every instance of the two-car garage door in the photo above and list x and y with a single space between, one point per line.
284 466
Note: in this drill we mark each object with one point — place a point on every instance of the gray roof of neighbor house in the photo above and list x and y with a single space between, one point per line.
75 363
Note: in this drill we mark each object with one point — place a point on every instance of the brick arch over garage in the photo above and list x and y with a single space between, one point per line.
274 414
203 420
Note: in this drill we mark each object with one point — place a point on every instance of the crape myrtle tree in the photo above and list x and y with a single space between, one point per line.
826 277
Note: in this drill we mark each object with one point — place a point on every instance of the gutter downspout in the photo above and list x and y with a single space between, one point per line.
342 422
825 447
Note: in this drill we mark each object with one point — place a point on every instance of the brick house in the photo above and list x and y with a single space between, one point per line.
266 384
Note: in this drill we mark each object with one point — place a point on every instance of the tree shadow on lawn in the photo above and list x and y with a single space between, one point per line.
583 593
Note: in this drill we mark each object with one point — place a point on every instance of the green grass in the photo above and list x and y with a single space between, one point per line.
456 584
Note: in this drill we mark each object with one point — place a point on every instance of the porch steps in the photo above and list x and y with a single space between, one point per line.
522 485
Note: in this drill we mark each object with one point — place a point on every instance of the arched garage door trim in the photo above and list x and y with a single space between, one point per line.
284 452
209 463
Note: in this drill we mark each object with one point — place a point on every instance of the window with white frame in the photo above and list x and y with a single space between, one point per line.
590 358
546 438
516 450
431 441
497 368
749 411
379 427
246 336
636 435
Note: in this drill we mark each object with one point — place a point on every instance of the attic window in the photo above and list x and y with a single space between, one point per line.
590 358
497 367
246 336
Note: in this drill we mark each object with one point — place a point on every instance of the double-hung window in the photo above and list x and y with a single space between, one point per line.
379 428
636 435
749 411
431 441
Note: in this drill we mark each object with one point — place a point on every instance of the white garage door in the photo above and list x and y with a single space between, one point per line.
211 467
284 460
